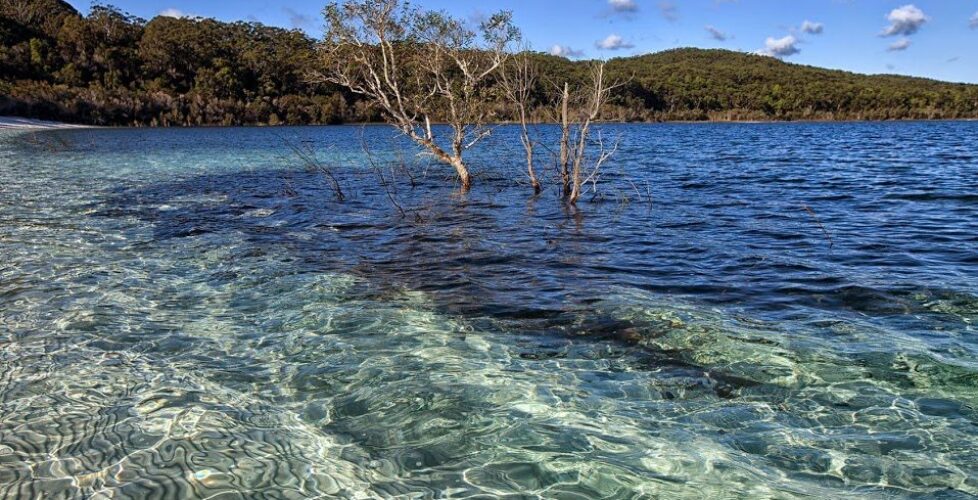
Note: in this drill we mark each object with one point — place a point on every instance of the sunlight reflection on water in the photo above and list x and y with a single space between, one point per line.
174 323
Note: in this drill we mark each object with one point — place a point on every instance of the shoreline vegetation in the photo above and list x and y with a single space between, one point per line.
13 122
112 69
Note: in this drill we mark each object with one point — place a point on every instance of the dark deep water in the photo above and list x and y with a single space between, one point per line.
746 310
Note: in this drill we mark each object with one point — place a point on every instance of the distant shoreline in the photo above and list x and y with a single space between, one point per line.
18 123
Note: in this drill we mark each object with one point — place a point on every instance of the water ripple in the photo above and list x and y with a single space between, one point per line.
188 313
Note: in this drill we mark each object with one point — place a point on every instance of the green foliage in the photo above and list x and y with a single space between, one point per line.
43 17
37 52
724 85
112 68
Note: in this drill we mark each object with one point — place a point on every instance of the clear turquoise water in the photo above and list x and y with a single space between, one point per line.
190 313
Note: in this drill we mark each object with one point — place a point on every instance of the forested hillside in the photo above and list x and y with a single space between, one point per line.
694 84
111 68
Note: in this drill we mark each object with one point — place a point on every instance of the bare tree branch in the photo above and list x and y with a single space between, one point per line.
309 157
413 64
595 99
518 81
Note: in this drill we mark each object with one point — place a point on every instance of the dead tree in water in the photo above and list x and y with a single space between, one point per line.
577 163
414 64
519 79
564 164
574 165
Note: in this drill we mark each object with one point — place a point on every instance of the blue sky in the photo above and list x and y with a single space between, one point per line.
931 38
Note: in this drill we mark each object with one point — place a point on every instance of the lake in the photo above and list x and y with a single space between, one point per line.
739 310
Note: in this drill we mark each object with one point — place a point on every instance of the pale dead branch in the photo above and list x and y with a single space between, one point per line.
415 65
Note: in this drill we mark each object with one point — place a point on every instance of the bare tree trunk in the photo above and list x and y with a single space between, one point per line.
465 179
458 147
599 93
528 146
565 140
518 80
581 148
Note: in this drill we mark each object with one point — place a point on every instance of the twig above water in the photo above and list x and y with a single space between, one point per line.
819 222
308 156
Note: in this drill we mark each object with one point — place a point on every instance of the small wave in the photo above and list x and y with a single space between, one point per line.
933 196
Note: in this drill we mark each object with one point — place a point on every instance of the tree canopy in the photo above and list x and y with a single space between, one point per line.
111 68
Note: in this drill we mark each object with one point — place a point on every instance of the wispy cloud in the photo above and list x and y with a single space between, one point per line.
899 45
780 47
623 6
669 10
973 22
812 27
613 42
176 13
905 21
716 34
565 51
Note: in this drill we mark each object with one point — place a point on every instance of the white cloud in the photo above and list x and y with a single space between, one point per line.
812 27
623 6
905 21
718 35
901 44
973 22
613 42
780 47
171 12
565 51
669 10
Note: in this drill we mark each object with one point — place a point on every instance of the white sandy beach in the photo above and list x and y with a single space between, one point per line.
13 122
